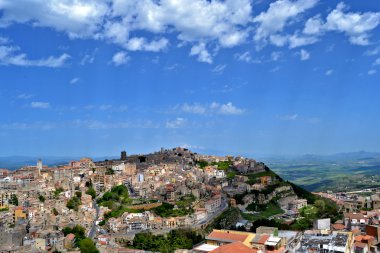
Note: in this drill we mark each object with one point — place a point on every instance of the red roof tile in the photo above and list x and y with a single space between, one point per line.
235 247
218 235
70 237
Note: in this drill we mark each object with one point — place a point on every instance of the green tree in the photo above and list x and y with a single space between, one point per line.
110 171
73 203
87 246
320 204
57 192
78 194
14 200
41 198
91 191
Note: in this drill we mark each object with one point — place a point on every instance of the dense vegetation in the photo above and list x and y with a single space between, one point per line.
91 191
117 199
226 220
167 210
265 210
41 198
175 239
57 192
13 200
222 165
74 203
85 244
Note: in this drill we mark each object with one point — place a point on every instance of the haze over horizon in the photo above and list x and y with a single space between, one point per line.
236 76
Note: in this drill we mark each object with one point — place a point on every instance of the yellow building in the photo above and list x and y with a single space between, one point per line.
19 213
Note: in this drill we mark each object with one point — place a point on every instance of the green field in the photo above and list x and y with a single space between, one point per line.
349 172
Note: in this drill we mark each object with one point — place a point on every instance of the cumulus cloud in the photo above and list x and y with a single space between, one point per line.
176 123
10 55
78 18
222 23
357 26
274 20
120 58
40 105
304 55
209 109
205 26
202 53
141 44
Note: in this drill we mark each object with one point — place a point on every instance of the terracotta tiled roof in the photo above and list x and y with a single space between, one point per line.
235 247
225 236
70 237
263 239
338 226
361 238
360 245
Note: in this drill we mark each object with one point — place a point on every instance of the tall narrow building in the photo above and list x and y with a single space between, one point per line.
39 166
123 155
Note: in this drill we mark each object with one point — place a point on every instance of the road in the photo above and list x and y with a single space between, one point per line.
91 234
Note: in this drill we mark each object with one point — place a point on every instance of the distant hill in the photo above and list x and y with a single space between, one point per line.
337 172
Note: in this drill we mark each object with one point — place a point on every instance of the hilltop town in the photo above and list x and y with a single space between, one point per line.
176 200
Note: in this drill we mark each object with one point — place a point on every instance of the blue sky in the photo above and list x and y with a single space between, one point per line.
227 77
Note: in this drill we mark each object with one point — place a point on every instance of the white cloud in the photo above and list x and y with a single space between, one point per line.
194 108
140 44
10 55
78 18
377 62
25 96
39 125
210 109
202 53
222 23
329 72
176 123
289 117
314 26
74 80
227 109
374 51
120 58
277 16
372 71
40 105
355 25
89 58
246 56
219 68
304 55
275 56
3 40
275 69
297 40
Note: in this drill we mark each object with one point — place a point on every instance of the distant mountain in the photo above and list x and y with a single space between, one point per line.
338 172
